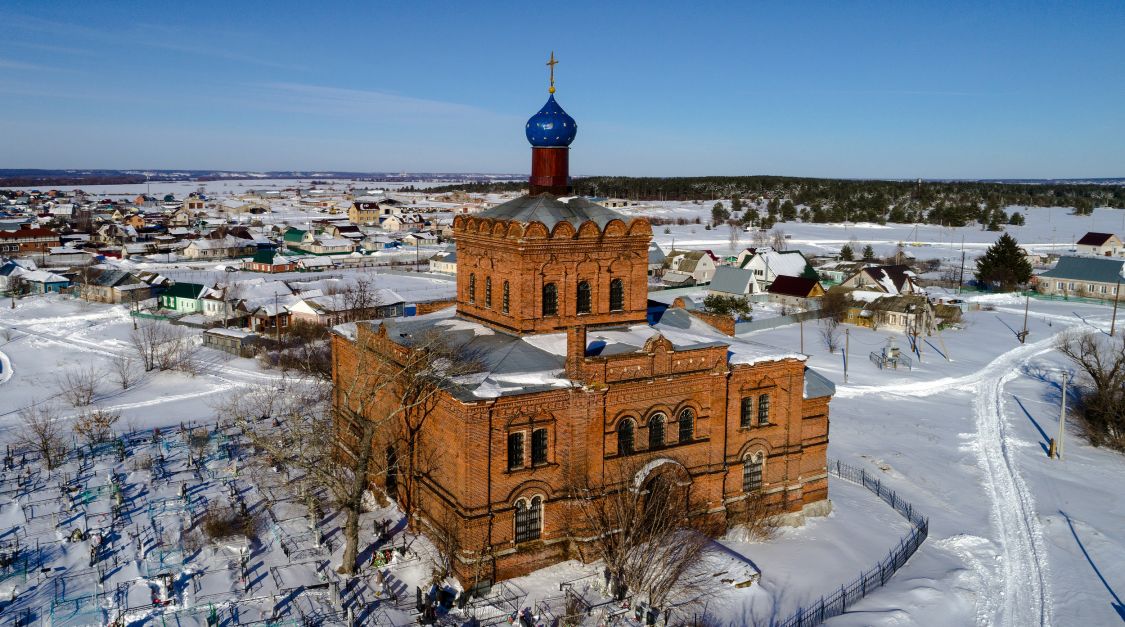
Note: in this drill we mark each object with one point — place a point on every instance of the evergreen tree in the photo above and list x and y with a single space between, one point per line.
868 253
1016 219
846 253
719 213
1004 264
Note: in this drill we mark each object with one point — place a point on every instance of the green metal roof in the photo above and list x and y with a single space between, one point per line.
1090 269
184 290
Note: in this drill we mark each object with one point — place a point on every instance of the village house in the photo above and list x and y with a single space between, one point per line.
44 282
369 210
226 247
27 239
795 291
444 263
896 279
731 281
905 313
183 298
107 285
1083 277
269 261
234 341
575 387
333 309
768 264
1100 244
680 265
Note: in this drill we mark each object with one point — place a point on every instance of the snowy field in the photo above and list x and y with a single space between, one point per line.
1015 538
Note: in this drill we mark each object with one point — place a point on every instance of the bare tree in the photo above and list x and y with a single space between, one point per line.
43 432
164 347
643 535
97 426
124 371
830 334
734 235
78 386
1101 360
777 240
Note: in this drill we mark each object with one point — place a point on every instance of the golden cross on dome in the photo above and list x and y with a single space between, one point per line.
551 64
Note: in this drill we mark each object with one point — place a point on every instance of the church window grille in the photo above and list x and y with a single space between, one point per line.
687 425
746 419
550 300
488 292
616 295
538 447
583 297
515 451
504 302
764 409
656 431
752 473
625 431
529 517
472 288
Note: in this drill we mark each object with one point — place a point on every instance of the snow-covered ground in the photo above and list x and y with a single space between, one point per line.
1015 538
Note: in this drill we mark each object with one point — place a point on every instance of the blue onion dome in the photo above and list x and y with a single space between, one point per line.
551 127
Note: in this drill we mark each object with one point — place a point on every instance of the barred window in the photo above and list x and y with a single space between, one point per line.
515 450
529 518
752 473
746 419
488 292
472 288
538 447
504 302
625 431
616 295
764 409
656 431
687 425
550 300
583 297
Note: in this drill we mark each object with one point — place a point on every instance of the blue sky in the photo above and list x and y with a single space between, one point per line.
835 89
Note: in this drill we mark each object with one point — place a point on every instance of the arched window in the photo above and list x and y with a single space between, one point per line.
616 295
504 302
764 409
583 297
529 519
625 437
752 468
687 425
488 292
550 300
515 450
472 288
746 416
538 447
656 431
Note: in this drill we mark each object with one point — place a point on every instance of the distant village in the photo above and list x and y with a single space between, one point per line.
293 246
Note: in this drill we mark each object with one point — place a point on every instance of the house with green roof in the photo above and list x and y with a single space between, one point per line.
183 298
1085 277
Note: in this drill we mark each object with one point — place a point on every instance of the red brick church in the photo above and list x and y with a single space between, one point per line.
552 296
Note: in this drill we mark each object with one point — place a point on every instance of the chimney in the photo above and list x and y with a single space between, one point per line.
575 351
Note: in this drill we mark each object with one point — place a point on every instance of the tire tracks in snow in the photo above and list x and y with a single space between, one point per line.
1016 591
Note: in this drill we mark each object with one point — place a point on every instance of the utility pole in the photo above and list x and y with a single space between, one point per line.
1116 297
1062 421
961 279
847 351
276 322
1023 334
802 336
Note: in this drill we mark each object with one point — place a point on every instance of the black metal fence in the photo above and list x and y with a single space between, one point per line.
839 600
